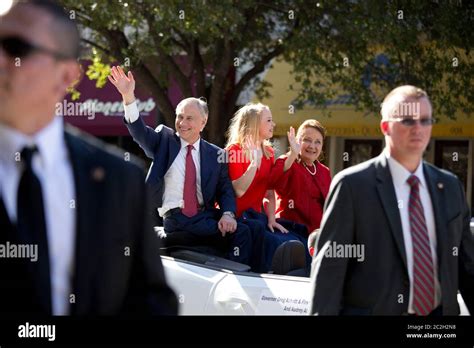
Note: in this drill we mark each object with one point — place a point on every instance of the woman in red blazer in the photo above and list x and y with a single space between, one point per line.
302 183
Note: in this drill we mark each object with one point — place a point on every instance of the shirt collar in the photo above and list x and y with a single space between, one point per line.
195 144
49 140
400 174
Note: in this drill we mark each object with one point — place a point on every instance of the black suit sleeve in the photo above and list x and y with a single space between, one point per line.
466 257
148 291
328 273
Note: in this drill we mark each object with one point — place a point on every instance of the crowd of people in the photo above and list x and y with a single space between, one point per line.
83 217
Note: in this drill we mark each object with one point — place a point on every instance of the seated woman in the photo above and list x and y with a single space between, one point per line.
300 180
251 158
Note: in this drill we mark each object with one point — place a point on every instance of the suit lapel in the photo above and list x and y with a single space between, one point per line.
173 149
205 167
5 222
389 202
89 189
436 190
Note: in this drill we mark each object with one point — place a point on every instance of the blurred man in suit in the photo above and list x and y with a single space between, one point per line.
187 179
79 206
409 219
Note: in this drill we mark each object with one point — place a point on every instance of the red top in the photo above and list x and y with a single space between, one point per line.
300 195
238 164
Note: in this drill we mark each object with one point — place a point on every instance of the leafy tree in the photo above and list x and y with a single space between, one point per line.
369 47
218 48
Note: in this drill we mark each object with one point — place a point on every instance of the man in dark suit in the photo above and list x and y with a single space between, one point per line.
395 235
74 238
188 177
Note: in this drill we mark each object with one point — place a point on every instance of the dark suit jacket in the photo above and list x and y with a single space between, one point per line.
362 209
162 145
111 216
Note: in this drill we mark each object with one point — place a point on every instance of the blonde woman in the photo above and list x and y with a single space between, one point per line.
251 158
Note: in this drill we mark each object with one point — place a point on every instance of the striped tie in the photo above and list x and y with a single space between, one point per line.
423 272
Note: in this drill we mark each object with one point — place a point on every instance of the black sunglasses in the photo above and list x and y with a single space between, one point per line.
410 122
17 47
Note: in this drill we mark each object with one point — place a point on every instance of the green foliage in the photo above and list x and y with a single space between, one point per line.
418 40
98 70
332 46
75 94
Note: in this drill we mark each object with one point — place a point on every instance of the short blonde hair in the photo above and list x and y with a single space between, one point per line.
397 96
246 124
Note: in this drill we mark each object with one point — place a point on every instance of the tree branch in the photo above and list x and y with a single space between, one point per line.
96 45
117 39
175 70
221 68
257 69
184 44
200 70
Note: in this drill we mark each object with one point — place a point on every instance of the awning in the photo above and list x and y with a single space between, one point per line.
99 111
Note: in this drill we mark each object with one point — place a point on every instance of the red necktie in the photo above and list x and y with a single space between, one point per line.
423 270
189 192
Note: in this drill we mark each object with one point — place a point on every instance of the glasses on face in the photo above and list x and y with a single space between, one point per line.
410 122
17 47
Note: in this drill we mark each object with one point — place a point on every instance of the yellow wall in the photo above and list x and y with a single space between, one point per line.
344 120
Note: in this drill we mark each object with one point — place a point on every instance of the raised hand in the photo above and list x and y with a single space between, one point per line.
125 84
255 150
295 146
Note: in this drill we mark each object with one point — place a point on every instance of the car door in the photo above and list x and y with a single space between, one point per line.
192 284
254 294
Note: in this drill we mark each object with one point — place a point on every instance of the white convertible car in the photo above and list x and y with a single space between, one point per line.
210 285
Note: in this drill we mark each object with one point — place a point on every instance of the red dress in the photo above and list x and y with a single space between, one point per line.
238 164
300 195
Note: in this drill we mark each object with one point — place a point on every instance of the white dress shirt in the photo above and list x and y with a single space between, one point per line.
53 168
174 177
400 176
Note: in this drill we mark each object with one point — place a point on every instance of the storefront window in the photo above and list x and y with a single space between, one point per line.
453 155
357 151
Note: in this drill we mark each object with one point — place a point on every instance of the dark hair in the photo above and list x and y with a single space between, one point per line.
64 30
